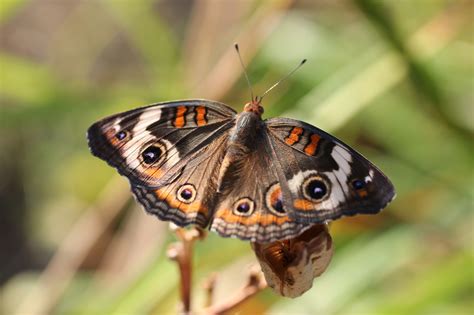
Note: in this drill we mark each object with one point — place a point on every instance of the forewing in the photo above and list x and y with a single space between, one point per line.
149 145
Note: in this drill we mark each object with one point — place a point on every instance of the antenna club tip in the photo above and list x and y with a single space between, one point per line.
236 45
303 61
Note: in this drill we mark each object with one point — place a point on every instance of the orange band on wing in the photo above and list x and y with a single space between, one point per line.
170 199
179 120
262 219
294 136
201 112
304 205
311 147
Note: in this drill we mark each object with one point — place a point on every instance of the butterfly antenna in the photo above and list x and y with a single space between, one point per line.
282 79
245 70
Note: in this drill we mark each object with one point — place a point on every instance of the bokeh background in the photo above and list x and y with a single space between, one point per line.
394 79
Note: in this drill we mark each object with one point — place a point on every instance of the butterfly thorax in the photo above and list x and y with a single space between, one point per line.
243 140
247 127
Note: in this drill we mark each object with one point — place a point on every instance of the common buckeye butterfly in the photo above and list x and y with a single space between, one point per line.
199 162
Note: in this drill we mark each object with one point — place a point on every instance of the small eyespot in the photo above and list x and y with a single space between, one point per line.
186 193
121 135
358 184
243 207
152 154
273 199
315 188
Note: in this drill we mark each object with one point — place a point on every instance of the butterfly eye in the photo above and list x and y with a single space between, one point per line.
121 135
315 188
244 207
274 200
358 184
152 154
186 193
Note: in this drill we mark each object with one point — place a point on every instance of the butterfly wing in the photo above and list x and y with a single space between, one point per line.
249 205
149 144
168 152
191 196
323 178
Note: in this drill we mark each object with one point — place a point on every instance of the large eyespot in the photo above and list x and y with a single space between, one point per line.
244 207
186 193
315 188
153 153
273 200
121 135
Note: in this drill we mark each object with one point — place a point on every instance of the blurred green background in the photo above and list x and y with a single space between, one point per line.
394 79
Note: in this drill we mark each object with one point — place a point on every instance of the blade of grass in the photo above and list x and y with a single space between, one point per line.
17 73
227 69
158 282
9 7
378 15
73 51
73 250
353 269
423 81
132 248
151 37
387 70
209 21
440 286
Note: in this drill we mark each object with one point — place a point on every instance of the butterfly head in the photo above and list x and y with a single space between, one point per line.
254 106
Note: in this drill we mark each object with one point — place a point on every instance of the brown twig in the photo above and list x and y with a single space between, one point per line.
182 252
132 248
255 284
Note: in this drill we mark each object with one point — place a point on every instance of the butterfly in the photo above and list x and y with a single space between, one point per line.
200 162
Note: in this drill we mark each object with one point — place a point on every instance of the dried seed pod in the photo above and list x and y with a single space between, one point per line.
290 266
